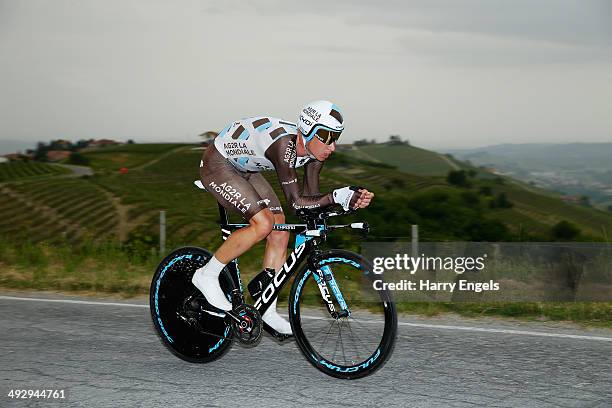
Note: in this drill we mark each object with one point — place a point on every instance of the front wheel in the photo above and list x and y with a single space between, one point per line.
358 337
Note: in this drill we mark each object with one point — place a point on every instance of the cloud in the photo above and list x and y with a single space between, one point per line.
428 70
483 51
470 31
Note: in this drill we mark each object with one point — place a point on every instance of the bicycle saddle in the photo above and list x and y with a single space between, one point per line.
199 185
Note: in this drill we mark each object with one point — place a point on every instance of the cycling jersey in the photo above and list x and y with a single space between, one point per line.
245 142
248 146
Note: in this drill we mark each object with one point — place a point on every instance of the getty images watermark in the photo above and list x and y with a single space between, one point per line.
490 271
408 264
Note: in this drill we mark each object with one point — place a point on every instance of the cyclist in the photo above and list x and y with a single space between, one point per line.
230 170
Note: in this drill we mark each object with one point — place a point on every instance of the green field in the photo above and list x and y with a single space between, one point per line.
125 207
100 233
130 155
28 170
406 158
66 209
539 212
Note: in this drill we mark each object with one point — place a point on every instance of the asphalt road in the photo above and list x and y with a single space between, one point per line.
77 171
108 355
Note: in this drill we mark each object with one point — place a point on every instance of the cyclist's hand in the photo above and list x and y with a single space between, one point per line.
364 197
352 197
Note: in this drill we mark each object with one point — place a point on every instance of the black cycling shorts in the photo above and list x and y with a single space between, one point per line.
245 193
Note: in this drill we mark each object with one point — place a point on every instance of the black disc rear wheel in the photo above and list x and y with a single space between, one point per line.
176 308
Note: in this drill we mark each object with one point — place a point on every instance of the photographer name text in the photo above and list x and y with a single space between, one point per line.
426 285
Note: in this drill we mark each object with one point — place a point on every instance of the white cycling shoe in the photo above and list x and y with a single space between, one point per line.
206 279
276 321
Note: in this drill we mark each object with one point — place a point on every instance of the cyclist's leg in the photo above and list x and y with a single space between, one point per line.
276 248
276 242
232 189
243 239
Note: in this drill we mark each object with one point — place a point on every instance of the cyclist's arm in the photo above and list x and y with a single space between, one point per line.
311 177
282 154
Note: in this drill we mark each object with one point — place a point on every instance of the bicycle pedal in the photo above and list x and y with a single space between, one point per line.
245 322
195 306
277 335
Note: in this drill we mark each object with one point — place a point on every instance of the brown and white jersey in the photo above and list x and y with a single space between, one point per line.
264 143
245 143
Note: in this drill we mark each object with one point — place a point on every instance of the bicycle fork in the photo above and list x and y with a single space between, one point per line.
324 278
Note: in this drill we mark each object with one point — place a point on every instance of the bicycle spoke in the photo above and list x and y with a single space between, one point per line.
358 343
327 335
341 342
344 346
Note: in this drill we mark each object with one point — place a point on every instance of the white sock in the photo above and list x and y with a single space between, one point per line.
206 279
276 321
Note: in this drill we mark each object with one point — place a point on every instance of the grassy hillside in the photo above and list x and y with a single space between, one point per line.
579 169
130 155
28 170
125 207
99 233
534 211
407 158
57 210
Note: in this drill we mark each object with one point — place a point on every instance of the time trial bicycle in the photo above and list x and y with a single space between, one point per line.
343 326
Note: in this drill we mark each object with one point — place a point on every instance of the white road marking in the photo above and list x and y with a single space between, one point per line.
429 326
507 331
80 302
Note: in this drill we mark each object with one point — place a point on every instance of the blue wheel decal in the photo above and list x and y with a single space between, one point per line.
299 290
216 346
321 361
161 275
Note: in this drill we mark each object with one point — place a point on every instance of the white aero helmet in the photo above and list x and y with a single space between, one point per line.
322 119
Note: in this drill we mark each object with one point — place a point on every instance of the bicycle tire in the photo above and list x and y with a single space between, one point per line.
308 316
171 284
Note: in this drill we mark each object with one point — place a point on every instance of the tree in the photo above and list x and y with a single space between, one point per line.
564 231
81 144
457 178
501 201
78 159
130 141
41 152
485 191
395 140
610 208
585 200
470 199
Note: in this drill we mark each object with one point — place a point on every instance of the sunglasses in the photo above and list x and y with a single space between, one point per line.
327 136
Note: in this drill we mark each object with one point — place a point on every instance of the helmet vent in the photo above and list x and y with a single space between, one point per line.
336 115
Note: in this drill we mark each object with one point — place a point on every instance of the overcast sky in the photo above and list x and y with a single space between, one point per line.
443 74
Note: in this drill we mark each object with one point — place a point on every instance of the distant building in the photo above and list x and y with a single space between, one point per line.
345 146
208 138
15 157
63 143
574 199
103 143
3 159
57 155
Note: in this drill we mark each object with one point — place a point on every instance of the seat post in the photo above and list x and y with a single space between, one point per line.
222 215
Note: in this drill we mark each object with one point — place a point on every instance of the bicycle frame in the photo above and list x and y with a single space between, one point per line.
305 248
